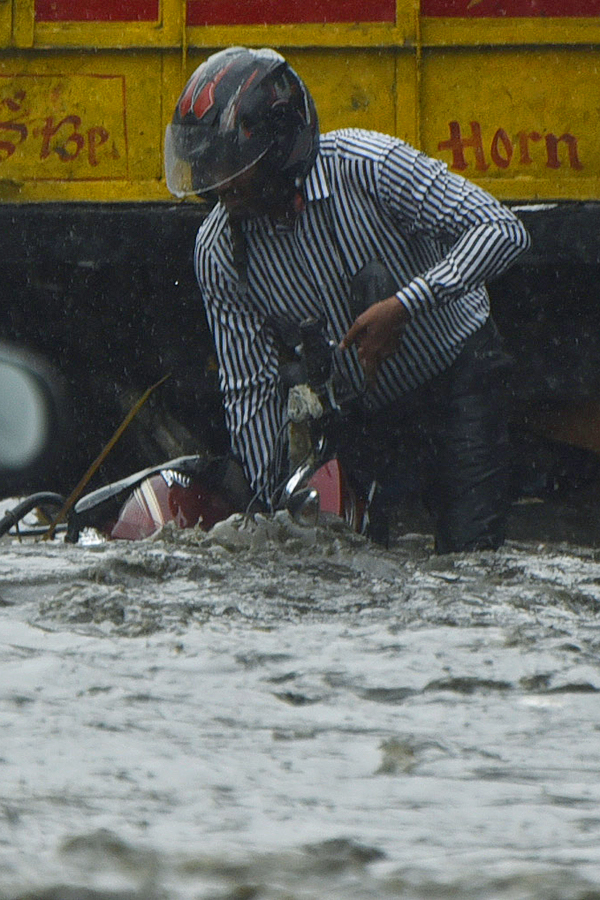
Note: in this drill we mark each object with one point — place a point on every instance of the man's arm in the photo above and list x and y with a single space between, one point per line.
248 374
483 236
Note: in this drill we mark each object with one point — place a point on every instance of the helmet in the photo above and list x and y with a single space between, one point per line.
240 106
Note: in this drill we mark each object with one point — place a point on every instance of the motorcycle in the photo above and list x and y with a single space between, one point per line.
199 491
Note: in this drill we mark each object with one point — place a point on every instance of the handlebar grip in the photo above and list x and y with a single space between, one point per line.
316 352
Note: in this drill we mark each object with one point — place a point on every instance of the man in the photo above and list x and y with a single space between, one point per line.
299 217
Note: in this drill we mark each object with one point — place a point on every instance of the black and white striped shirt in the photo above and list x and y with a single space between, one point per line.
368 196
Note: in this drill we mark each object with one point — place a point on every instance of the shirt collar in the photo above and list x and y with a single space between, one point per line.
316 184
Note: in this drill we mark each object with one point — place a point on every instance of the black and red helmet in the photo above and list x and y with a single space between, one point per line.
239 107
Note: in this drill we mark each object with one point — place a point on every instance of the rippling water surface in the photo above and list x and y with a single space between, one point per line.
288 713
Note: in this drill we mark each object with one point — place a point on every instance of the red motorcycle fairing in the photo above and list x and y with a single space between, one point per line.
165 497
335 494
169 496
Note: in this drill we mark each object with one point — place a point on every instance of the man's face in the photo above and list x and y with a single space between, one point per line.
253 193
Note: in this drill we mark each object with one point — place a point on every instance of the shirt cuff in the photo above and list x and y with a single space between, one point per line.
416 297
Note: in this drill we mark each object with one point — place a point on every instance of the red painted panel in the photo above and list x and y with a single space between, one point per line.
284 12
328 482
96 10
517 8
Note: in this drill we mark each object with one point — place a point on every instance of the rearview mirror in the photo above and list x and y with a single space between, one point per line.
29 411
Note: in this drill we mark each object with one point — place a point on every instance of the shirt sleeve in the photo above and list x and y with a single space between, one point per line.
478 237
248 373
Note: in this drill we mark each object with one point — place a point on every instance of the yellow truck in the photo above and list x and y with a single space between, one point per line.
96 259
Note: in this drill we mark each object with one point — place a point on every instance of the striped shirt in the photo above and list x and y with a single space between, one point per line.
368 196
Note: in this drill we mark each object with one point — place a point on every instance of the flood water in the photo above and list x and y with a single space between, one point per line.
289 713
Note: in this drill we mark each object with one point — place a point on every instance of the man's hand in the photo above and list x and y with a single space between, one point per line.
376 334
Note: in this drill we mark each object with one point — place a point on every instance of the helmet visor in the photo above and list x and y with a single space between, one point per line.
178 171
193 167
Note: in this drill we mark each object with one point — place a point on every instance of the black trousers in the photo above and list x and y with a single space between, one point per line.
449 440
